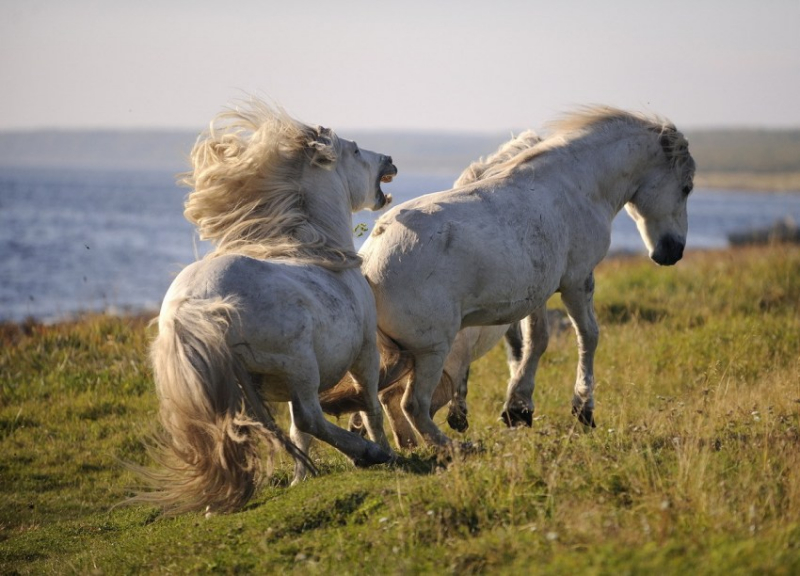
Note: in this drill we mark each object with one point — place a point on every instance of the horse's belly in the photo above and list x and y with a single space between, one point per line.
498 313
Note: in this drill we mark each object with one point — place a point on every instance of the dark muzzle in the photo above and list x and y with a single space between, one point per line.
668 251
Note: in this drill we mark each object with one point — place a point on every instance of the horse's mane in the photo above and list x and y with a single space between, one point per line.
594 119
504 153
246 194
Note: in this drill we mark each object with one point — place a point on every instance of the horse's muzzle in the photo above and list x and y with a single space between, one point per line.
668 251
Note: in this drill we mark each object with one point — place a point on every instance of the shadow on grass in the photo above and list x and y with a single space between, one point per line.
428 460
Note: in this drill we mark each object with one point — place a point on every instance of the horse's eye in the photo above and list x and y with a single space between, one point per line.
687 189
356 151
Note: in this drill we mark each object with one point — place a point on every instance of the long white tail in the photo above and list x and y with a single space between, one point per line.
213 422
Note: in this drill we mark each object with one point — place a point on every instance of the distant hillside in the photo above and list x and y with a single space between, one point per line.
169 150
113 150
741 150
730 154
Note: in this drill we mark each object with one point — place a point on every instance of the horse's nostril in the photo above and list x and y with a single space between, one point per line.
669 250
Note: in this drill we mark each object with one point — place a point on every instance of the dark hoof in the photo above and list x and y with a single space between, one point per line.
514 417
457 420
585 416
468 448
374 455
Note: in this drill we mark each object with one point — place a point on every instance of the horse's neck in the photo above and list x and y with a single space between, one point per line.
613 167
329 211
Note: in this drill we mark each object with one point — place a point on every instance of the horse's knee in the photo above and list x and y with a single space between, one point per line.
305 421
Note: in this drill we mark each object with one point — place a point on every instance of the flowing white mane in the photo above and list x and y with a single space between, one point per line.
504 153
247 195
590 120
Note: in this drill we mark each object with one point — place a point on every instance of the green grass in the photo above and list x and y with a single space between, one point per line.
694 466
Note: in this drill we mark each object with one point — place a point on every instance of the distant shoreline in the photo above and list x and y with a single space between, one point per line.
146 314
750 181
733 159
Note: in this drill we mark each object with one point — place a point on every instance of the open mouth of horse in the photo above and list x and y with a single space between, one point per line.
387 174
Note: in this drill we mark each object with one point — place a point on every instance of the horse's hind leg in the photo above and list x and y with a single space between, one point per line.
308 417
366 372
579 302
518 407
418 394
303 442
402 430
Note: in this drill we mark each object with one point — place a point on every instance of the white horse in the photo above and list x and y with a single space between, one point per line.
277 312
470 343
493 252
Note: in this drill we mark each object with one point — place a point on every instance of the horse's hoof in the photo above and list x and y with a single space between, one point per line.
457 420
518 416
374 455
468 448
585 416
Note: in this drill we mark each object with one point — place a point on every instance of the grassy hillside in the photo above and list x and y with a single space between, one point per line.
694 466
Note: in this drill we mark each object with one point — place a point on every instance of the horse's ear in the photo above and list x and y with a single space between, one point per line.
321 148
666 141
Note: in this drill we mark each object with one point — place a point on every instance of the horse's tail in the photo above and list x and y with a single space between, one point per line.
213 422
345 398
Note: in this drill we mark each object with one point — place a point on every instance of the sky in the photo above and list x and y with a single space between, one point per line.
471 66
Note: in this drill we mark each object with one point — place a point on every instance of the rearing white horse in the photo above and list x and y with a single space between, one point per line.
279 311
494 251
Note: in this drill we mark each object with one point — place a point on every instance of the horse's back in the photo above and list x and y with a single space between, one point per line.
490 252
284 309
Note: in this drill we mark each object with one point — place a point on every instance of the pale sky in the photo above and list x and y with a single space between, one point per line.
490 65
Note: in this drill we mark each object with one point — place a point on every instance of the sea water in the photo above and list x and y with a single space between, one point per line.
102 240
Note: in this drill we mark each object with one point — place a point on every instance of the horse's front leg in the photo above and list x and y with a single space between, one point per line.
579 302
453 387
457 413
416 401
518 407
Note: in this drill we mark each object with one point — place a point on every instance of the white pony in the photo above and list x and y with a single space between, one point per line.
277 312
470 343
493 252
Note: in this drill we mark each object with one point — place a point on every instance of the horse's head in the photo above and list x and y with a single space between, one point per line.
362 171
659 204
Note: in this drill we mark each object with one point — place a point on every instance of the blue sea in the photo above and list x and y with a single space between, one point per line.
109 240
